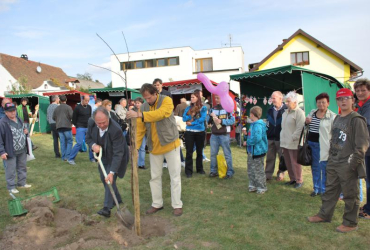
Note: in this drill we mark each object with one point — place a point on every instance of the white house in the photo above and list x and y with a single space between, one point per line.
177 64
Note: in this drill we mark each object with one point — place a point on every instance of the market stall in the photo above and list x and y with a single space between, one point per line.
73 96
115 94
41 124
256 87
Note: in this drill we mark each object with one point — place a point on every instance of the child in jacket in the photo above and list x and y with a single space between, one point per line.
256 149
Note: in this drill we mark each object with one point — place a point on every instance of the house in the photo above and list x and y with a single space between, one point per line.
305 51
177 64
83 84
34 75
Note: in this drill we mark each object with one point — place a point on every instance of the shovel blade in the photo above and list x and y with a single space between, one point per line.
125 216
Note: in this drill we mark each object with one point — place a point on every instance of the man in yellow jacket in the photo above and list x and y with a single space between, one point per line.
156 120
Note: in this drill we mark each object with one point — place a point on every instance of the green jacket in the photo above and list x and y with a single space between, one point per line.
20 111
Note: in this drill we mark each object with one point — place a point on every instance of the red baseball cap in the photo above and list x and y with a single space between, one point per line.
344 92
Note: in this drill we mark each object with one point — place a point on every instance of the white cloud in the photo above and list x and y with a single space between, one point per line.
5 4
30 34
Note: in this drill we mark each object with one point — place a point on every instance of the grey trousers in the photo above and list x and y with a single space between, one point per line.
16 165
108 198
273 149
256 174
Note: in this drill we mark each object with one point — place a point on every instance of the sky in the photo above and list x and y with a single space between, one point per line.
63 33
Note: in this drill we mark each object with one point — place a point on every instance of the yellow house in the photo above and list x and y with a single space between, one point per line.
305 51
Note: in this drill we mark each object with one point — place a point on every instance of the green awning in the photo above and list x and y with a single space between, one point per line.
28 95
119 89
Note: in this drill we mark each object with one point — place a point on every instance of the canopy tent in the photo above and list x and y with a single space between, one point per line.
41 124
287 78
115 94
73 96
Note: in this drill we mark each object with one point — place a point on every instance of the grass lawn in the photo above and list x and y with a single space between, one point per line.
218 214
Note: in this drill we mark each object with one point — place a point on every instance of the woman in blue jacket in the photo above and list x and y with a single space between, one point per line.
194 116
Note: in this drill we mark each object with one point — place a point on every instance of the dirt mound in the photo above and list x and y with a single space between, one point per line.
46 227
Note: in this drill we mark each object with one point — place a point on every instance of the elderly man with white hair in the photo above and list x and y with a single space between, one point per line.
291 128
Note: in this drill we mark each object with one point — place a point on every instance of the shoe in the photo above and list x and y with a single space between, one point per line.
189 176
298 185
57 156
206 159
153 210
93 160
344 229
201 172
13 191
213 174
72 162
313 194
261 191
252 189
104 212
26 186
177 212
165 164
141 167
364 215
228 177
290 183
315 219
183 164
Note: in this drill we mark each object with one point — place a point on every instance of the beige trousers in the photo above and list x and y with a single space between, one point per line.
174 169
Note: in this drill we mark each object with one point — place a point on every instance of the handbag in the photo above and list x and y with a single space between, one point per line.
304 152
282 165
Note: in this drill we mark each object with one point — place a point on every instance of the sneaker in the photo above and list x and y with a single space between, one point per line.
364 215
26 186
72 162
298 185
13 191
93 160
206 159
251 190
261 191
165 164
141 167
183 164
228 177
313 194
213 174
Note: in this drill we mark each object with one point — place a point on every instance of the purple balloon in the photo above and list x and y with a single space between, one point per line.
222 90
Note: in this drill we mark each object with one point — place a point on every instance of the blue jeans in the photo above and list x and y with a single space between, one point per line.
318 169
141 161
80 138
66 142
224 142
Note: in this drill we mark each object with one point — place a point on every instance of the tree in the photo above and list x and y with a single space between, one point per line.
109 85
21 86
87 76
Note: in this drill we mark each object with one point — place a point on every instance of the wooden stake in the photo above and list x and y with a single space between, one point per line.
135 177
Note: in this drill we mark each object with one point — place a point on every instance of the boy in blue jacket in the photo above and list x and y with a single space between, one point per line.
256 149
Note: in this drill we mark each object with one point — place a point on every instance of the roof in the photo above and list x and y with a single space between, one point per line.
274 75
85 83
119 89
18 67
25 95
70 92
184 82
354 67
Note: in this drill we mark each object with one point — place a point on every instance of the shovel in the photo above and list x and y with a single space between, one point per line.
123 214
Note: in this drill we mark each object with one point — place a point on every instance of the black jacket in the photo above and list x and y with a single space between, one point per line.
273 129
115 147
6 137
63 116
81 116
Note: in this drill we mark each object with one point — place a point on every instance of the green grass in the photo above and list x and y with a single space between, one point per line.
218 214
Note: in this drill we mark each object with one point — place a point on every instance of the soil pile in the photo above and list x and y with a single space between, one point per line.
47 227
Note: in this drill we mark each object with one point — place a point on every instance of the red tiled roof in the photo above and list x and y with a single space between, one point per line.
18 67
70 92
185 82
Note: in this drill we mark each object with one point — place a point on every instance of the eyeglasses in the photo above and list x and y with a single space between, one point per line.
345 98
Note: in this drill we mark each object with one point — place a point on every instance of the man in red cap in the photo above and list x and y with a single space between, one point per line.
349 142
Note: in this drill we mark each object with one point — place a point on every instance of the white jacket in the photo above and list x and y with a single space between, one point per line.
291 128
325 133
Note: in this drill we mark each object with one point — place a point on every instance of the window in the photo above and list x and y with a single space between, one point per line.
204 64
45 86
150 63
299 58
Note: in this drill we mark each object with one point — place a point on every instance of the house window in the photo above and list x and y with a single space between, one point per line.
299 58
150 63
45 86
161 62
139 64
204 64
173 61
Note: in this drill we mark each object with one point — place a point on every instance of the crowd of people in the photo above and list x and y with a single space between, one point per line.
339 143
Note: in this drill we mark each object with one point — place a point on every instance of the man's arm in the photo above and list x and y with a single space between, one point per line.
230 121
75 115
118 147
361 140
164 111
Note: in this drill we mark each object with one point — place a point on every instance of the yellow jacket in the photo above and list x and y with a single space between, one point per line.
153 116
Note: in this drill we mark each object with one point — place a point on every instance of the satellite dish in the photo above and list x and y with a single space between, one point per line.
38 69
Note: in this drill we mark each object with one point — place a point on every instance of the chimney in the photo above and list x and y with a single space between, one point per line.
24 56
